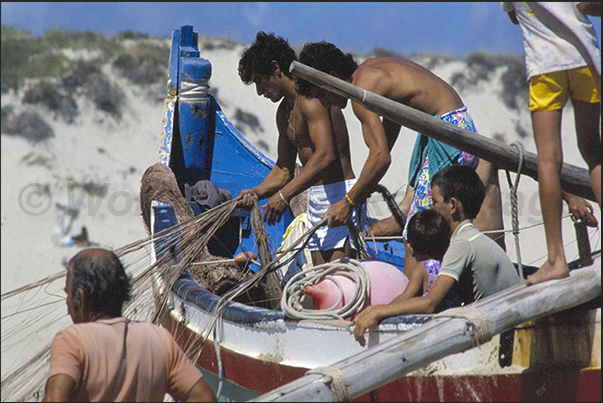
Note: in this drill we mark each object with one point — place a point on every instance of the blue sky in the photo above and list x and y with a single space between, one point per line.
404 27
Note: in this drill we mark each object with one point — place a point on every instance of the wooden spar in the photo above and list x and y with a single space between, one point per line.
574 180
442 336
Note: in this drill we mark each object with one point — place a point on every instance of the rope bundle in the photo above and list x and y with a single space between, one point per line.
296 288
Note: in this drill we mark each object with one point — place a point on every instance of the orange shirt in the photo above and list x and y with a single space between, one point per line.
113 362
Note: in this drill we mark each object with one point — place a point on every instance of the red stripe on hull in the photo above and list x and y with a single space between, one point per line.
527 386
558 386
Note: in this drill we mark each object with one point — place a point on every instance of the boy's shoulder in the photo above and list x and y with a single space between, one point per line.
465 230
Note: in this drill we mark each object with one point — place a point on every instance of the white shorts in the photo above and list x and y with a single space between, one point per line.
320 199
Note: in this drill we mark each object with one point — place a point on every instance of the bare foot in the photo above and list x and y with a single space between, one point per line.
548 271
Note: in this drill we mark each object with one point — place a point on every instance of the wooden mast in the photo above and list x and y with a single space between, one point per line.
574 180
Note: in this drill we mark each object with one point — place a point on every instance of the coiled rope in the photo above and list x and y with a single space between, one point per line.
295 289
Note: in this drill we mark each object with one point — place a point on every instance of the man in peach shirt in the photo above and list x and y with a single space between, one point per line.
106 357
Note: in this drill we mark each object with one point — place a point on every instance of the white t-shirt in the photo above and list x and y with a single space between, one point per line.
556 36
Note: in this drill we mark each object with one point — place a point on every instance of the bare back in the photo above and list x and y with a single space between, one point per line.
408 83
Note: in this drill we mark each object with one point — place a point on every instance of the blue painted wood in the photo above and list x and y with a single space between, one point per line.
390 252
173 67
193 117
199 142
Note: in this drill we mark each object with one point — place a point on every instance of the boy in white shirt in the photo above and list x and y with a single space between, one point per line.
563 61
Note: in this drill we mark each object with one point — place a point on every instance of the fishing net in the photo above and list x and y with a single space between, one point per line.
154 263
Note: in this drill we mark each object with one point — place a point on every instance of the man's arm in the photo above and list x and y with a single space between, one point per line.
389 226
320 130
513 17
200 392
59 388
375 167
580 209
282 172
318 121
507 7
426 304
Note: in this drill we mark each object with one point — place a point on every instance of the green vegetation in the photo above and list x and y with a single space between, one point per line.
59 65
28 125
25 57
144 63
55 68
62 64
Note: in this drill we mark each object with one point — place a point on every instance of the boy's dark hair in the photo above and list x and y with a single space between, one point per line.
103 279
257 59
462 183
428 233
326 57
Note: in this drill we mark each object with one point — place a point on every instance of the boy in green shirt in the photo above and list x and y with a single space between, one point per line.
473 263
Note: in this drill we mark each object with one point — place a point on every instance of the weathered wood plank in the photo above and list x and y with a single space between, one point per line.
574 179
442 336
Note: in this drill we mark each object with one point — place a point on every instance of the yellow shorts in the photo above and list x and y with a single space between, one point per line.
551 91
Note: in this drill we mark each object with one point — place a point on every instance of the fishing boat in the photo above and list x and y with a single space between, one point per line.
259 353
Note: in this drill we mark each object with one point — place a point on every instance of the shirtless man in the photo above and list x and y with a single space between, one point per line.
410 84
317 134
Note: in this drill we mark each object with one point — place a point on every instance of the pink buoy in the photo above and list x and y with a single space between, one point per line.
387 282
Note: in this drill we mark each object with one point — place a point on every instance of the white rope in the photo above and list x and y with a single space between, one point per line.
514 212
477 323
335 380
295 289
194 92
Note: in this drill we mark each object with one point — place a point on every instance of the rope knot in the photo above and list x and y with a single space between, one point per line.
477 323
335 380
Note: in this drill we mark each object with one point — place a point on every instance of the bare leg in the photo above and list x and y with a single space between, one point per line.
588 131
547 134
490 216
324 256
317 257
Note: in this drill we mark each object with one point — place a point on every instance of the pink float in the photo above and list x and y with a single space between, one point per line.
387 282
